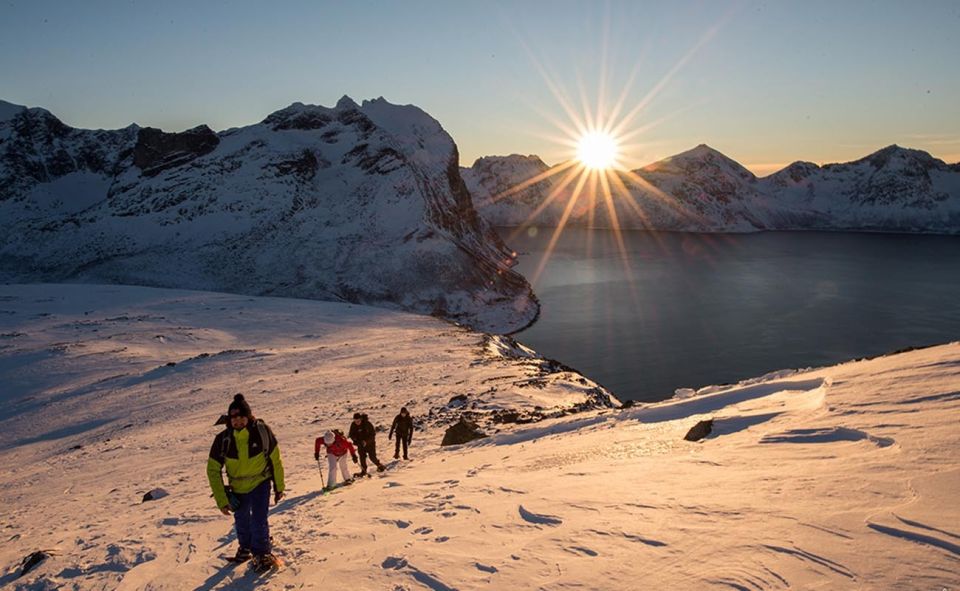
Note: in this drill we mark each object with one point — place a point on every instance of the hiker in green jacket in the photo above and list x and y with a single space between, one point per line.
248 450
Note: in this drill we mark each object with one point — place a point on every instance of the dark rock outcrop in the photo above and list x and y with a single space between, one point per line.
699 431
31 560
462 432
157 151
153 495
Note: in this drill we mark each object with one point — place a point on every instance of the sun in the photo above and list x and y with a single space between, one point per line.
597 150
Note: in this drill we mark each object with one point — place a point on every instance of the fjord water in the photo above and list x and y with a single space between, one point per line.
673 310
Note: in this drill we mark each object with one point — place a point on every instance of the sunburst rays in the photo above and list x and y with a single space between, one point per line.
599 138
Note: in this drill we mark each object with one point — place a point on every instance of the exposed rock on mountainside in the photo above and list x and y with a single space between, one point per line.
362 203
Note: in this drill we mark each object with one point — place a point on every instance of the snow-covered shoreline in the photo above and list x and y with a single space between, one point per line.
837 477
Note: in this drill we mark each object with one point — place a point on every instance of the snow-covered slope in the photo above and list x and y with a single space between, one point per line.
894 189
358 203
841 477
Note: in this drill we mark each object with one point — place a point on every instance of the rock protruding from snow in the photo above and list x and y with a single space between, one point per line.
462 432
31 560
157 151
155 494
358 203
699 431
894 189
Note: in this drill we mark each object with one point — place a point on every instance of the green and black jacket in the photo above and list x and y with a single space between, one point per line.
250 455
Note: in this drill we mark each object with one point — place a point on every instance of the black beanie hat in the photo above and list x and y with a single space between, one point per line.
357 415
240 404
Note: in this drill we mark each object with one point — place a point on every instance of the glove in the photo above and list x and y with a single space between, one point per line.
316 457
390 436
277 496
354 458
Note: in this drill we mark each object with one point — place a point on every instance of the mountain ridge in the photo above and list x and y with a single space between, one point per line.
359 203
702 190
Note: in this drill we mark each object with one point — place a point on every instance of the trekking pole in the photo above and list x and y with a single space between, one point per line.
321 471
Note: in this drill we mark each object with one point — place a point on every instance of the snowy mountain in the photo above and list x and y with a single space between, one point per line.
357 203
894 189
840 477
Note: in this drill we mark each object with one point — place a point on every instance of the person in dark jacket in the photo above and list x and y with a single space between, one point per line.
248 451
403 426
364 436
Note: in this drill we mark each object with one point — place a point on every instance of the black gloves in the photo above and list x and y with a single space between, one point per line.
316 457
354 458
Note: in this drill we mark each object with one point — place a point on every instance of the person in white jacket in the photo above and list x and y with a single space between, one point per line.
337 447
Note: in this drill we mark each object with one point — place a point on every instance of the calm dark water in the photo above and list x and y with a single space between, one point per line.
688 310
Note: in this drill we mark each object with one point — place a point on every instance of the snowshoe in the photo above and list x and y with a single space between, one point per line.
242 555
265 563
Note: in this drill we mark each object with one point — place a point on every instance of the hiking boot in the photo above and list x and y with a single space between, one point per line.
265 562
396 456
242 555
406 458
380 468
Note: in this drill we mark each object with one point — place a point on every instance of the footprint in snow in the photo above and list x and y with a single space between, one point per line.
539 519
485 568
397 522
581 550
826 435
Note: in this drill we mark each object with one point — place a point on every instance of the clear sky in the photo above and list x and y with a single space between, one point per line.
766 83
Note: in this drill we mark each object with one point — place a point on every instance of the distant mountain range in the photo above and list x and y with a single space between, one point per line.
358 203
701 190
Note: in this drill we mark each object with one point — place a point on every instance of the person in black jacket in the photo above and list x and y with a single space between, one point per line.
403 425
364 436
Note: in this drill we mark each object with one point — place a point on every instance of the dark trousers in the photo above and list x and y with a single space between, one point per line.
406 442
253 531
365 449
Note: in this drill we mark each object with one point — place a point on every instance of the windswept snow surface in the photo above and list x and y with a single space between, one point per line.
842 477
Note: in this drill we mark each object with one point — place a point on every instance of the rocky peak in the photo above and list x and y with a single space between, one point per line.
299 116
898 157
38 124
9 110
700 159
795 173
346 102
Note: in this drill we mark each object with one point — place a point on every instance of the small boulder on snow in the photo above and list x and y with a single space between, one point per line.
153 495
699 431
31 560
462 432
